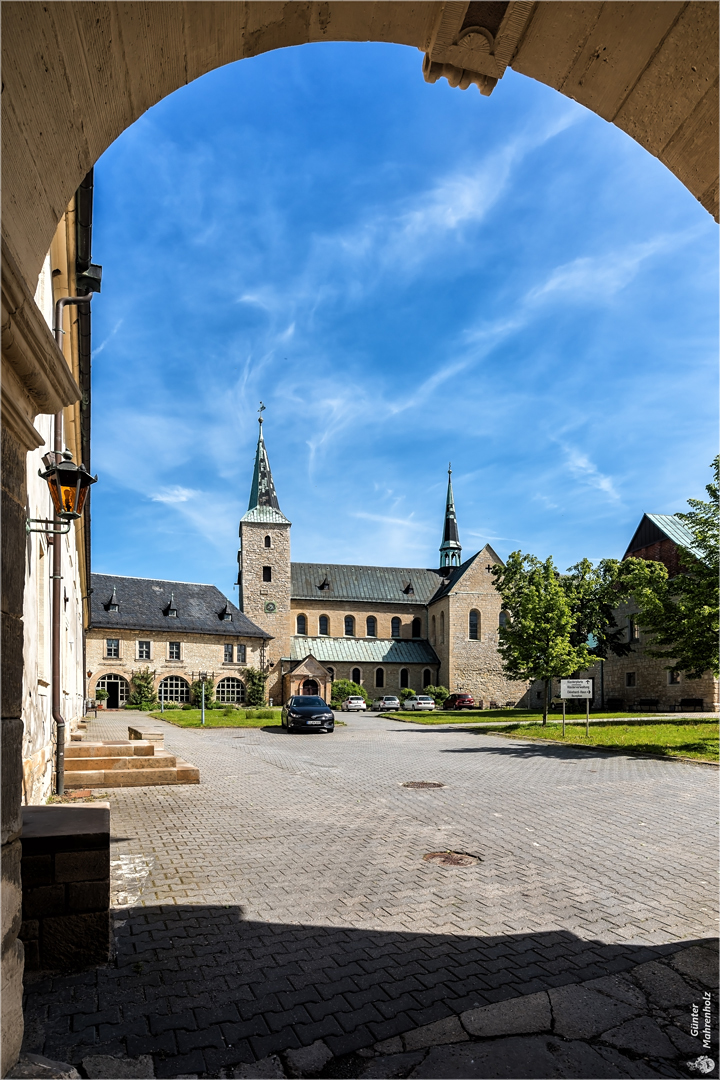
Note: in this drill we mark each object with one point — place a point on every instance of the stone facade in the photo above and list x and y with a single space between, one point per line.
267 602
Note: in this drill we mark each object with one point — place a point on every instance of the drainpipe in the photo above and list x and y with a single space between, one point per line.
57 569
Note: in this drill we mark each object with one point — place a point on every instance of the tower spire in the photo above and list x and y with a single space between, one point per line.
262 492
450 548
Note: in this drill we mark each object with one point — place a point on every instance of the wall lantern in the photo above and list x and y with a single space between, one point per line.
68 484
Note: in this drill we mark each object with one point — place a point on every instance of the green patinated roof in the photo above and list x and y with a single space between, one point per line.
654 527
266 515
330 650
382 584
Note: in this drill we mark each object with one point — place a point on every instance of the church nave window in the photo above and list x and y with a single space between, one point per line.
503 619
268 542
433 635
474 625
416 628
395 627
371 626
404 678
355 676
301 624
427 678
324 625
349 626
380 677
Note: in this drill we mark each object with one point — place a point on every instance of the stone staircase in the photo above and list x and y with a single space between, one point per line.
125 763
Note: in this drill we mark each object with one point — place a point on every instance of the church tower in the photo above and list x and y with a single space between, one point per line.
264 565
450 549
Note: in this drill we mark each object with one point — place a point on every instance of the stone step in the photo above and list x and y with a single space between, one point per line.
90 764
183 773
126 748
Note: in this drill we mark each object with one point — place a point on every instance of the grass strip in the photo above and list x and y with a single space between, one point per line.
217 718
514 716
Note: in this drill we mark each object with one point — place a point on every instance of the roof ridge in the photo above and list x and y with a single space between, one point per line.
167 581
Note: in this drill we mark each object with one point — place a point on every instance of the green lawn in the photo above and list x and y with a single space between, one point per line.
477 716
681 737
216 717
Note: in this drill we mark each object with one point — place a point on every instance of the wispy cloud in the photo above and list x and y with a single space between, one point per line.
97 349
580 466
174 494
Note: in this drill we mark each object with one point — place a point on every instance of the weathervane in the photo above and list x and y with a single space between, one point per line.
261 410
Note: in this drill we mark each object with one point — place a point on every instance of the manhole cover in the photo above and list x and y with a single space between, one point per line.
450 858
421 784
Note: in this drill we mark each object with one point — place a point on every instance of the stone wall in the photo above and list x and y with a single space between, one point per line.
256 594
392 675
336 610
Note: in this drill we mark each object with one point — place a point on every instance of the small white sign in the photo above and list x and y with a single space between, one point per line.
576 688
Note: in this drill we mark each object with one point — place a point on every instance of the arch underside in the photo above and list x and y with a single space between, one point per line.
77 74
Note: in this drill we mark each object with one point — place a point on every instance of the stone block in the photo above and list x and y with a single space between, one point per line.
75 780
88 896
146 734
439 1033
390 1066
29 930
11 996
73 941
37 1067
47 900
517 1056
187 774
37 870
308 1059
389 1046
64 827
580 1013
98 1066
12 735
82 865
641 1036
11 892
698 963
517 1016
32 954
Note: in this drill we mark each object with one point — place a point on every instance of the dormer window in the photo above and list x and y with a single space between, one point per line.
172 613
409 590
324 584
112 604
227 616
171 610
113 607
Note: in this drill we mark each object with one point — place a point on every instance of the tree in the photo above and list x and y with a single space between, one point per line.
593 592
439 694
255 681
196 692
681 613
142 689
344 688
536 642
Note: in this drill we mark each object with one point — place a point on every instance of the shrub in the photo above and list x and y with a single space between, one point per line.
101 695
196 693
142 690
188 706
440 694
255 681
405 693
169 706
343 688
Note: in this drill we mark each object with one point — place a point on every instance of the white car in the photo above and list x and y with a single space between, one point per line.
354 704
386 704
421 702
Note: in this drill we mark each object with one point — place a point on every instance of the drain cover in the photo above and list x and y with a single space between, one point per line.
450 858
421 784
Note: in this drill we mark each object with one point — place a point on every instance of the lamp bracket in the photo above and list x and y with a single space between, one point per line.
44 521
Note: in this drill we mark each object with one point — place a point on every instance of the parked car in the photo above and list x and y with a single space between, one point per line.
459 701
354 703
306 713
386 704
420 702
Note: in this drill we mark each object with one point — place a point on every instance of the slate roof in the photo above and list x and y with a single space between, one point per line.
339 650
383 584
656 527
263 505
143 602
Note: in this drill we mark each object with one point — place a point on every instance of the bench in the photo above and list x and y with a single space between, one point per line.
647 703
694 703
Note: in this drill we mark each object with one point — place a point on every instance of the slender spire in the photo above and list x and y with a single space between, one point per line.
450 548
262 492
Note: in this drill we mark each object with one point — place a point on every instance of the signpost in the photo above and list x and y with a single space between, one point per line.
574 689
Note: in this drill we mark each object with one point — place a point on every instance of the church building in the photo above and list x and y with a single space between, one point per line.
383 627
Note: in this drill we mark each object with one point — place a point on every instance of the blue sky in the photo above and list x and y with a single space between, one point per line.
405 274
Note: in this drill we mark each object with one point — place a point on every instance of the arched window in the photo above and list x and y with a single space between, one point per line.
395 627
117 690
371 626
355 676
301 624
230 691
442 627
434 630
379 676
349 626
404 678
324 625
417 628
174 688
331 673
427 677
474 625
268 542
503 619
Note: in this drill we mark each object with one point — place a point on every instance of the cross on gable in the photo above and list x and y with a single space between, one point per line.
489 568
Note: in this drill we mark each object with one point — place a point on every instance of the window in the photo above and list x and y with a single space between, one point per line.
268 542
434 630
673 678
324 625
630 678
227 616
301 624
379 676
503 618
371 626
404 678
241 653
442 627
427 678
395 627
174 688
331 673
355 676
633 631
228 652
473 624
230 691
267 573
416 628
349 626
112 648
143 650
113 607
172 613
173 650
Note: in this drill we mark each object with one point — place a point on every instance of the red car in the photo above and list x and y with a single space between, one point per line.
460 701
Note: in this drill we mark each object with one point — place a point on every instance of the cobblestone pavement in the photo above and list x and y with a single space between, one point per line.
284 899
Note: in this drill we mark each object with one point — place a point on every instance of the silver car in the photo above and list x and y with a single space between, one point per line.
419 703
386 704
354 704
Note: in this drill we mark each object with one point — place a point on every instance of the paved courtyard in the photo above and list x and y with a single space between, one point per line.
285 898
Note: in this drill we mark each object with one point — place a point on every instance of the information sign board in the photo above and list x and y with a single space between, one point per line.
576 688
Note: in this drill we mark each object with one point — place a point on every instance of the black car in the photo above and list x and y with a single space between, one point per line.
307 713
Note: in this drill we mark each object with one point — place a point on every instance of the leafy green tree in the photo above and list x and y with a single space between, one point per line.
406 692
255 682
439 694
593 592
344 688
196 693
142 689
536 642
681 613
